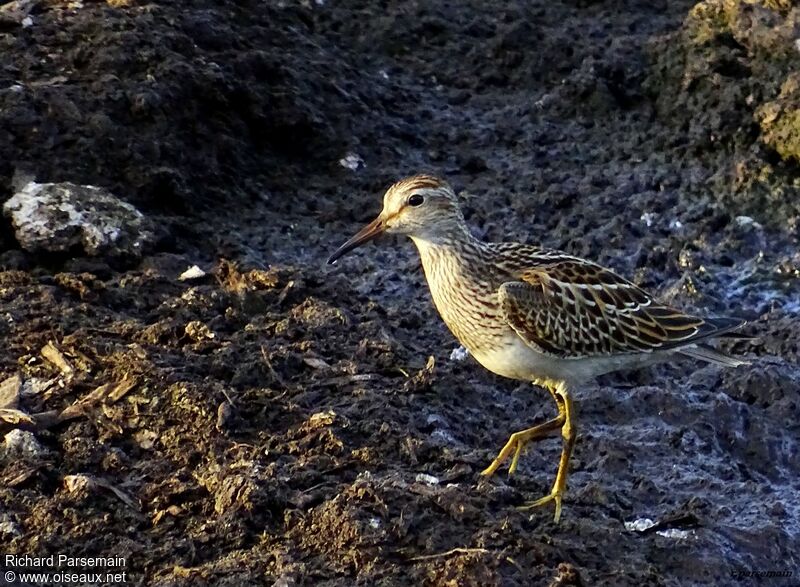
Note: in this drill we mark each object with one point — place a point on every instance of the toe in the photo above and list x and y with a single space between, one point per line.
555 496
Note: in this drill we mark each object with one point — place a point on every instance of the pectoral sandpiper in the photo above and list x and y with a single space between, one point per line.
535 314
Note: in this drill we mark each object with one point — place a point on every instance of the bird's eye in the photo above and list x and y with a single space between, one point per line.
415 200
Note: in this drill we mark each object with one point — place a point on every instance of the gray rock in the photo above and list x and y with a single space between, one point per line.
21 445
8 526
57 217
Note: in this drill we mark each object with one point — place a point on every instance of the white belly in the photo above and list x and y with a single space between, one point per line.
516 360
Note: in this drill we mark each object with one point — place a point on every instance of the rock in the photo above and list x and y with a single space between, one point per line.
58 217
9 392
459 354
198 332
8 526
193 272
427 479
21 445
78 485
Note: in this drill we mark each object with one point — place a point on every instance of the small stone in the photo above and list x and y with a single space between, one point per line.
224 416
352 162
146 439
21 445
8 527
639 525
675 533
10 391
78 485
315 363
747 222
648 218
459 354
426 479
198 331
193 272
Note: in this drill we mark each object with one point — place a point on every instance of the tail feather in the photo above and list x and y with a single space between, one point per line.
737 336
715 327
706 353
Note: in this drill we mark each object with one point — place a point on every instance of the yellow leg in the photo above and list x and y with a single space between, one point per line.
518 440
568 433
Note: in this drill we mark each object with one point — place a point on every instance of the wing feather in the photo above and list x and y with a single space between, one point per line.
573 308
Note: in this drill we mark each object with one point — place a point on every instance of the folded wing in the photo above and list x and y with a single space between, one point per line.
571 308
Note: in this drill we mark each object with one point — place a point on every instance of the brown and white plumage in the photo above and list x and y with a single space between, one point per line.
535 314
572 308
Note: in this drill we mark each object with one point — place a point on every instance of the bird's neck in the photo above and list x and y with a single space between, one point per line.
455 245
463 285
451 259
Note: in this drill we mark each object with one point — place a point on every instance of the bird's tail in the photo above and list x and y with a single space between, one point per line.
706 353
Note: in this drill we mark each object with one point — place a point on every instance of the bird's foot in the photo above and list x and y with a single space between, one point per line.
517 442
513 445
556 495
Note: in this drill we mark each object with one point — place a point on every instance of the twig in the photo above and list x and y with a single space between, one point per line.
458 550
107 393
277 378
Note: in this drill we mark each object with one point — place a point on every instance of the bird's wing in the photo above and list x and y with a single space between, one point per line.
572 308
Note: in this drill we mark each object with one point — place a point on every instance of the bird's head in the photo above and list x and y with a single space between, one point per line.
423 207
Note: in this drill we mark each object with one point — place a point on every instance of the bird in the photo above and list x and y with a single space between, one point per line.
536 314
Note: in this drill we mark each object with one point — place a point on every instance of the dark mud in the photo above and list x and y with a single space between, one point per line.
280 421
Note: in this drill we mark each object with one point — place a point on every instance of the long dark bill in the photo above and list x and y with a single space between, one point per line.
369 232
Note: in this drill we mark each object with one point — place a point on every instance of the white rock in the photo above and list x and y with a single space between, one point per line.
643 524
459 354
426 479
674 533
21 444
640 525
59 216
745 221
352 162
8 526
648 218
36 386
193 272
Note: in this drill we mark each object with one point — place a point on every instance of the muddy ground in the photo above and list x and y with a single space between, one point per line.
278 421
